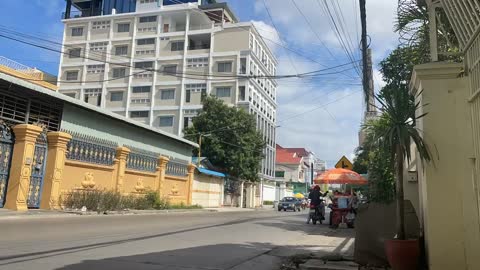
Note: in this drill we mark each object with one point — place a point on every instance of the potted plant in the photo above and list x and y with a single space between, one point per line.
398 107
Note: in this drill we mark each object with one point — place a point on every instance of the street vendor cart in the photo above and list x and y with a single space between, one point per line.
341 209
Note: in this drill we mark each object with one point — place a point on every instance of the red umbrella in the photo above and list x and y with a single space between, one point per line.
341 176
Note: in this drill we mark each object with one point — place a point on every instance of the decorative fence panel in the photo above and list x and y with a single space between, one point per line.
177 168
6 150
38 171
91 150
142 160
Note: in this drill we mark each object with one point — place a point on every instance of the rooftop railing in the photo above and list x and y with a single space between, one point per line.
81 13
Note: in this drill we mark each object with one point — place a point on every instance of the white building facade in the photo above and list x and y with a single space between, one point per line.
154 60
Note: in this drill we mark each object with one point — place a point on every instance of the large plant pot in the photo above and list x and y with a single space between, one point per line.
403 254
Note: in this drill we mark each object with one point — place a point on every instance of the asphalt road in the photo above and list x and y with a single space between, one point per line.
183 241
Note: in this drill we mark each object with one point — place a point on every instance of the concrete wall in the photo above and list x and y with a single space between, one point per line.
231 40
269 192
207 190
448 192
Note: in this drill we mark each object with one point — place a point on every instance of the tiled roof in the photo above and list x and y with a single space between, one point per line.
302 152
284 156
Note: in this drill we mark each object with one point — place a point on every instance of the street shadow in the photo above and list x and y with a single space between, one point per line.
252 256
299 225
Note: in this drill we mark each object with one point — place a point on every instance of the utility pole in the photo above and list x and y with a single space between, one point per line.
365 71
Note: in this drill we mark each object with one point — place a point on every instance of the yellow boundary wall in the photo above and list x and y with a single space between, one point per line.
63 175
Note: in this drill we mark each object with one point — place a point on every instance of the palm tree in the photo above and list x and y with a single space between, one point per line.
397 134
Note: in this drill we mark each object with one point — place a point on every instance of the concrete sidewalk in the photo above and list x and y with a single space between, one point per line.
37 213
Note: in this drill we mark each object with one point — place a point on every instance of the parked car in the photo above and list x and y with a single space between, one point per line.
290 203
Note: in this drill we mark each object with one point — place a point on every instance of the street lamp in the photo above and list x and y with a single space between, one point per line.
200 146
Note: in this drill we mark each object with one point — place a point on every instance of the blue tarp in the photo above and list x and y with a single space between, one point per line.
209 172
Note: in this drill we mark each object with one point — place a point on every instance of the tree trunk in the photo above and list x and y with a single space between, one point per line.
399 194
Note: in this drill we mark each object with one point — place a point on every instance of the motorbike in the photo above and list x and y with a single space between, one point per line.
304 204
317 213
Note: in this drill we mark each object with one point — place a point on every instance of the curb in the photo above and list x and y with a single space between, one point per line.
73 213
69 213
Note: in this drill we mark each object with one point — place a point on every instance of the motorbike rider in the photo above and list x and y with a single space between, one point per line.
316 200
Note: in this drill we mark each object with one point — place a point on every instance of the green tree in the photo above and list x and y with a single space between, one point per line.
229 139
379 164
396 136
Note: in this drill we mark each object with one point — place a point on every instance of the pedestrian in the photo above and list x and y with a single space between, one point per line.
315 197
353 204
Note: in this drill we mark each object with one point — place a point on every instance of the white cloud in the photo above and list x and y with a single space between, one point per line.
271 36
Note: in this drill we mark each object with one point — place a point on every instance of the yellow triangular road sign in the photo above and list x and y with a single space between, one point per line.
344 163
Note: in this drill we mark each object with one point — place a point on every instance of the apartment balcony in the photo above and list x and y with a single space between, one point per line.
199 47
90 8
81 13
199 43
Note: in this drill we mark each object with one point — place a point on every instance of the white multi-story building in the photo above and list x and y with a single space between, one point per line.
154 60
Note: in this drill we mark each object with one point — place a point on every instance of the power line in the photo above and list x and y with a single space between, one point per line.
247 29
336 30
202 75
318 107
312 28
276 29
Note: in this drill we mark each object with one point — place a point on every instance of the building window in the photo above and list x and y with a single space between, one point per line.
72 95
72 75
223 92
197 62
141 89
101 25
119 72
121 50
116 96
146 41
241 93
140 100
196 87
243 65
93 96
188 96
144 65
147 19
74 53
280 174
77 31
167 94
204 94
177 45
139 114
123 27
147 29
186 122
147 1
225 67
98 46
166 121
144 52
94 69
170 69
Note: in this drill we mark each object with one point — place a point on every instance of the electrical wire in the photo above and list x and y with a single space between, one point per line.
318 107
201 75
276 29
336 29
312 28
247 29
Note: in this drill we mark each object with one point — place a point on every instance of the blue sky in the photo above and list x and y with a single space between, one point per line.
321 114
